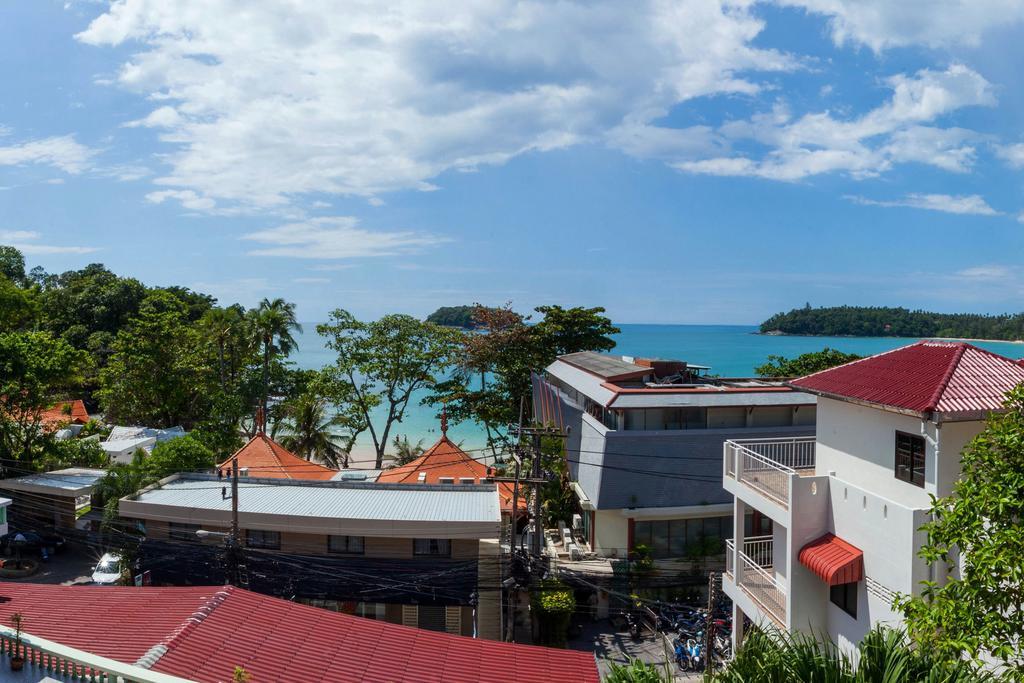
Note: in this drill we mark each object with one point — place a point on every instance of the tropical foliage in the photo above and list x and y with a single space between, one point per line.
309 430
404 451
454 316
883 656
637 671
976 536
804 364
552 603
872 321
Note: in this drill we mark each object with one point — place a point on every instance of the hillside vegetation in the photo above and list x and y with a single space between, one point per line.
870 321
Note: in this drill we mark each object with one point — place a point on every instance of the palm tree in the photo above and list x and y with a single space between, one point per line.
272 323
122 479
405 452
309 432
220 325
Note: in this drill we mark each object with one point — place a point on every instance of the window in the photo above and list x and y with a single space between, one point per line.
910 458
184 532
347 545
844 596
439 547
467 480
446 480
257 538
679 537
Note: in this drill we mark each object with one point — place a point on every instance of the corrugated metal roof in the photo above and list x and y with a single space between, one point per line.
332 499
950 378
603 365
73 479
203 633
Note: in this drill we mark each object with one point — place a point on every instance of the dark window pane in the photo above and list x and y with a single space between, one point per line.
659 538
677 538
844 596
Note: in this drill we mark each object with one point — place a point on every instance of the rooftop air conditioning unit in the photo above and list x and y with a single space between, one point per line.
577 521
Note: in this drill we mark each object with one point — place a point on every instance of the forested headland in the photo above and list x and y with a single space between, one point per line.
872 321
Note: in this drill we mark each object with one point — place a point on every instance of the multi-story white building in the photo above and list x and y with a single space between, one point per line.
643 445
847 506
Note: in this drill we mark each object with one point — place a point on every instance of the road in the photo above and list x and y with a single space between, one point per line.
70 567
611 646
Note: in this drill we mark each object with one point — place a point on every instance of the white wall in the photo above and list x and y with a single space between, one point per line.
858 443
809 517
952 438
611 533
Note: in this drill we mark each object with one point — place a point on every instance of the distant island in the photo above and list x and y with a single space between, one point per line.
454 316
871 321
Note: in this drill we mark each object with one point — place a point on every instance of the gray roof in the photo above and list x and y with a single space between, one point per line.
602 364
127 433
73 481
371 509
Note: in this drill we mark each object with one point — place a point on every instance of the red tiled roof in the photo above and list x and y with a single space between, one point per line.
209 631
929 376
833 560
61 413
264 457
446 459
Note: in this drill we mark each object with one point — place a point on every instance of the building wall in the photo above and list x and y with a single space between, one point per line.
611 533
952 438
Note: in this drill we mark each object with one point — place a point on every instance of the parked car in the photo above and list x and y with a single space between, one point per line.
34 542
108 571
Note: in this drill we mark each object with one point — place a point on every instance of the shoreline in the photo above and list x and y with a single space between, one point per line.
865 336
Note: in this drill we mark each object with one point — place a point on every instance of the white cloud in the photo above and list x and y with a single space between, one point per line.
881 24
61 152
336 237
1013 155
973 204
1020 217
285 99
311 280
331 267
983 273
866 146
188 199
26 241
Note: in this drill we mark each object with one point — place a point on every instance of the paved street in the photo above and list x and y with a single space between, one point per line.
70 567
609 645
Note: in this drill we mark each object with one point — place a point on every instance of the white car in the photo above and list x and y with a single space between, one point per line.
108 571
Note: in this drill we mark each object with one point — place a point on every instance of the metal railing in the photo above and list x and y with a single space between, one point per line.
768 464
760 549
763 588
71 664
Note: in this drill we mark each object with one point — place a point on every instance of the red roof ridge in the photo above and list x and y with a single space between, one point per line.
192 622
855 362
933 402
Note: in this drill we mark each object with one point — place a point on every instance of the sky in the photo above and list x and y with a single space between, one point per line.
700 161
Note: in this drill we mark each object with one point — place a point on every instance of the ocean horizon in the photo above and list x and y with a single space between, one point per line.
729 350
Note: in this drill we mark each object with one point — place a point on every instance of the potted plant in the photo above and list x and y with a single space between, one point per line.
17 661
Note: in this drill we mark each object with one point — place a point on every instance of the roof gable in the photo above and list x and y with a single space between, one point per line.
263 457
954 379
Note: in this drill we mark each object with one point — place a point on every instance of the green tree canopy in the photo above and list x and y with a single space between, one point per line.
18 307
12 264
158 375
182 454
877 321
309 430
271 325
384 362
35 368
977 535
804 364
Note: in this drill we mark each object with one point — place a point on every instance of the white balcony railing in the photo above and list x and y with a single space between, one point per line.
763 587
62 663
758 548
769 464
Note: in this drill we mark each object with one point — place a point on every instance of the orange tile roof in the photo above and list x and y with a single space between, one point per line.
264 457
446 459
60 413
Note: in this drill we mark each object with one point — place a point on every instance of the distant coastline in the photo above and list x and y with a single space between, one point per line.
778 333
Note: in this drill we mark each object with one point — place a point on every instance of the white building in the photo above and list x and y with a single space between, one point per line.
846 507
123 442
644 438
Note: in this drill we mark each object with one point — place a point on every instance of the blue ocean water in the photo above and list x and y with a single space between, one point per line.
730 350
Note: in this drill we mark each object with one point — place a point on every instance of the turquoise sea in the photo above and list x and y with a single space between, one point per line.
730 350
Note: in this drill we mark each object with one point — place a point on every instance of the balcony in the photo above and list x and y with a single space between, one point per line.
769 465
751 571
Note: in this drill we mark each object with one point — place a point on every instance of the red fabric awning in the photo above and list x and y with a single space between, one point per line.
834 560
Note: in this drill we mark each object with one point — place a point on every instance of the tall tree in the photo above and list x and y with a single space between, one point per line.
385 362
35 367
568 330
977 536
18 306
272 324
158 374
12 264
804 364
310 431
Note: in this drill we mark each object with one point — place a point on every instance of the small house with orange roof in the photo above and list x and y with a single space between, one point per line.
446 463
265 458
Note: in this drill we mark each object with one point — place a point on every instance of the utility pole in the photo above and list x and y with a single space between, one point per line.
538 528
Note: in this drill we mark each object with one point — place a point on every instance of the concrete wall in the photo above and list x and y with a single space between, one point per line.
808 520
952 437
611 533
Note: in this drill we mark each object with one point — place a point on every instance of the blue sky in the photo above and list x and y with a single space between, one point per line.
697 161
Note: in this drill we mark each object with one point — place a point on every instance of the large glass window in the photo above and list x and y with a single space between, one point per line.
910 458
258 538
680 537
183 532
439 547
346 545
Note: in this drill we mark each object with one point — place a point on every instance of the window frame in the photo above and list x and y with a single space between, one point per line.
847 598
901 464
262 545
182 531
434 544
348 545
